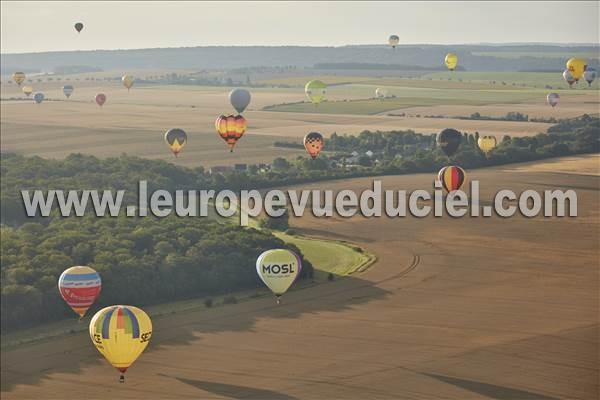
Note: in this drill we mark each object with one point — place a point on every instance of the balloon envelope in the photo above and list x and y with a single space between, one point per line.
486 143
380 93
176 138
231 129
449 141
314 143
239 99
568 77
68 90
315 91
452 178
589 75
100 99
38 97
278 269
79 286
78 27
576 67
552 99
27 90
127 81
18 77
393 40
121 334
451 61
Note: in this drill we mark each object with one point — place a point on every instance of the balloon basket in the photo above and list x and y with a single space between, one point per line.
122 379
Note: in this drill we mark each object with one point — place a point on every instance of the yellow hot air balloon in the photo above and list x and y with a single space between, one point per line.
576 67
487 144
27 90
315 91
127 81
451 61
121 334
18 77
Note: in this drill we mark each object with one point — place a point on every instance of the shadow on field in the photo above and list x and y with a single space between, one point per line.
234 391
69 354
491 391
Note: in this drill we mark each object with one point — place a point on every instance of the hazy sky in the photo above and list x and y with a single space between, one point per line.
43 26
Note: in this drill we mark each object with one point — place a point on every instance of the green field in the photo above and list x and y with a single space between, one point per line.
532 79
406 99
328 256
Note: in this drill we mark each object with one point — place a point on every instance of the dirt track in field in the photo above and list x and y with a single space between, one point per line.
468 308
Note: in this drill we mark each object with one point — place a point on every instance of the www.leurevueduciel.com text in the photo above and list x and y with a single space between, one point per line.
372 202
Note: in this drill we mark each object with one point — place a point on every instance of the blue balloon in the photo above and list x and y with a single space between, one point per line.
38 97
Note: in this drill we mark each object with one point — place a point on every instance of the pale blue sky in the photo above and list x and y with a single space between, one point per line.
44 26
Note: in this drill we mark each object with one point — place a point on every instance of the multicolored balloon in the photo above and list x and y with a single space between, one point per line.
79 286
127 81
78 27
18 77
487 144
314 143
315 91
589 75
100 99
393 41
576 67
27 90
121 334
176 138
68 90
239 99
451 61
231 129
38 97
452 178
552 99
449 141
278 269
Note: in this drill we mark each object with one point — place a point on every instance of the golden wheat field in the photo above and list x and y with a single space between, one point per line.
134 121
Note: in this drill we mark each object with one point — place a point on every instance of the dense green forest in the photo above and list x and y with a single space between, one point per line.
141 261
148 260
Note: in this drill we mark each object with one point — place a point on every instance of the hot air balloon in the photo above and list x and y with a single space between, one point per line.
176 138
18 77
239 99
552 99
78 27
449 141
100 99
576 67
121 334
568 77
127 81
315 91
38 97
452 178
486 144
68 90
381 93
231 129
79 287
393 41
314 143
27 90
589 75
451 61
278 269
